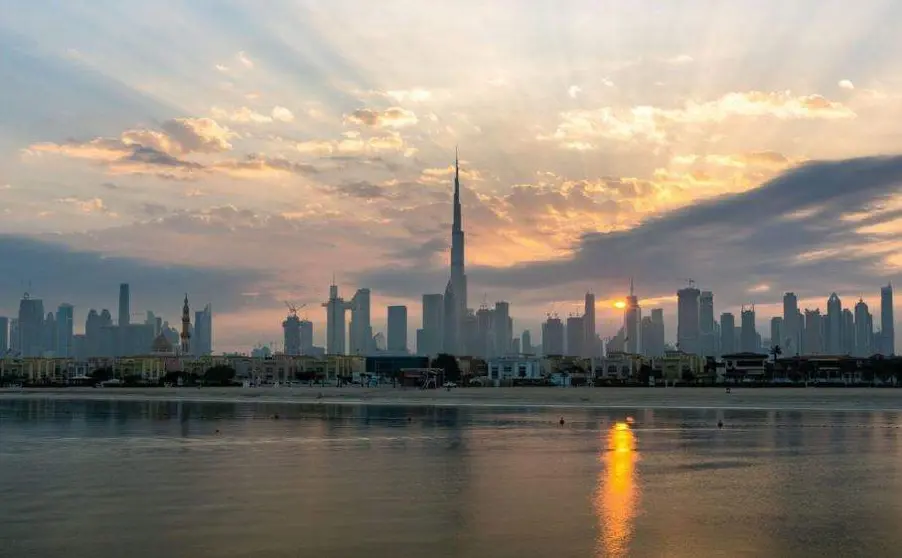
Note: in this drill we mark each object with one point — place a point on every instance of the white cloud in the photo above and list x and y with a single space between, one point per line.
222 68
245 61
574 90
416 95
282 114
92 205
394 117
243 115
680 59
846 84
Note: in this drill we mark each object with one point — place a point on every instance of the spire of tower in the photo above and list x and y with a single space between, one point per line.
457 225
631 286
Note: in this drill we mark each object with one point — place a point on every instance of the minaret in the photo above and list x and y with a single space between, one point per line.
458 282
186 328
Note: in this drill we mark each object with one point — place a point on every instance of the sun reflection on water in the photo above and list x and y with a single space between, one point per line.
616 497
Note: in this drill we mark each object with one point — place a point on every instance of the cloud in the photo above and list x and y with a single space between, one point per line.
415 95
315 147
282 114
92 205
202 135
257 166
728 243
361 190
394 117
245 60
574 90
353 144
580 129
680 59
846 84
243 115
90 279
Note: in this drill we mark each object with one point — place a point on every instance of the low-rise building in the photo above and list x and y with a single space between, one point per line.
507 370
745 367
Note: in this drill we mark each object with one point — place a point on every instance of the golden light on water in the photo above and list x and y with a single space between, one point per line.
616 497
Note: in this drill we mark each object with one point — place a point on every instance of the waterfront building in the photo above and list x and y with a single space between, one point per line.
792 328
553 336
749 341
727 333
688 331
397 328
336 307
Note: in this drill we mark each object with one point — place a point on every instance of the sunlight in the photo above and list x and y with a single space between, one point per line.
616 498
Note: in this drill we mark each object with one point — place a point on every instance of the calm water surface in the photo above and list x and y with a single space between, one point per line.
146 479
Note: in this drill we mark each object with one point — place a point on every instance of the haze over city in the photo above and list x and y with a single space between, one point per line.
599 141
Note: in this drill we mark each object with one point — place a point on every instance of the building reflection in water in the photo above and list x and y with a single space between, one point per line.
617 495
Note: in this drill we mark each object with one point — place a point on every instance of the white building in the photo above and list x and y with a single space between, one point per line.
502 369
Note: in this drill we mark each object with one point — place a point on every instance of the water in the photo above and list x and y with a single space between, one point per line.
146 479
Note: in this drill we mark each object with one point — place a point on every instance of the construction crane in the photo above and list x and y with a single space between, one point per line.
690 281
293 309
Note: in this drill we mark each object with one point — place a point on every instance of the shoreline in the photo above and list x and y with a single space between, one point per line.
761 399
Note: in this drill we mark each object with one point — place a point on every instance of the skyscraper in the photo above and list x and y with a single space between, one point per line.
457 285
812 337
576 334
361 329
776 333
397 328
792 339
526 342
502 328
863 330
430 342
833 326
306 329
653 338
553 336
727 333
185 335
4 335
708 338
887 329
688 320
748 335
632 322
124 305
31 326
203 331
335 321
589 344
65 329
848 332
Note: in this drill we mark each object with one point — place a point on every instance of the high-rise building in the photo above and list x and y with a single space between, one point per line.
50 332
632 323
833 326
727 333
688 331
502 327
397 328
291 333
203 331
863 330
748 334
652 333
431 339
776 333
887 328
457 284
576 334
306 331
185 335
792 342
707 333
336 307
14 337
361 329
848 332
526 343
65 325
589 344
553 336
813 334
31 326
124 305
4 335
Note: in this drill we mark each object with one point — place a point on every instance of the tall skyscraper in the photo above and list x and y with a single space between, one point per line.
291 332
632 323
553 336
185 335
688 320
833 326
887 328
306 337
748 335
124 305
727 333
708 337
792 339
502 328
4 335
457 285
203 331
431 339
813 333
848 332
31 326
653 335
65 324
336 307
863 330
776 333
361 329
576 334
397 328
526 343
589 343
50 332
14 337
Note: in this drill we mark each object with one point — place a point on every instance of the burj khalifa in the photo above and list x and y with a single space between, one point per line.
456 290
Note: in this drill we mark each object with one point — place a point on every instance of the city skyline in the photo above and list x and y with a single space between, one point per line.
251 167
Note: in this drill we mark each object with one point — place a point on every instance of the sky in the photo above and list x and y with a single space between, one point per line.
244 152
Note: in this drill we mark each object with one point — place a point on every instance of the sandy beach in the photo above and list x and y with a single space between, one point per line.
850 399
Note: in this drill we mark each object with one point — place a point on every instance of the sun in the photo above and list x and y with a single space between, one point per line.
620 304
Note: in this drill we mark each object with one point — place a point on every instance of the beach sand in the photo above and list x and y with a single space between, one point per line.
850 399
